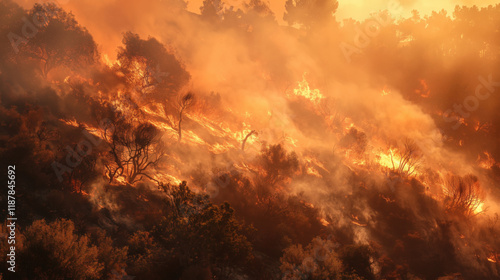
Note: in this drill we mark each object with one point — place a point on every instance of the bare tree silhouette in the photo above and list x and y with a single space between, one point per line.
186 101
246 138
463 194
409 156
133 149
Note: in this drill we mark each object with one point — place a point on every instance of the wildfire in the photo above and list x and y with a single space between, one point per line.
120 180
219 148
305 91
479 209
358 161
487 163
314 172
163 126
213 127
151 112
324 222
485 127
355 221
313 161
493 258
139 70
72 122
387 159
168 178
193 137
370 148
110 63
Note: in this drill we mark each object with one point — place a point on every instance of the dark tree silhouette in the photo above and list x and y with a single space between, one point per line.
59 40
309 12
83 173
205 238
133 150
150 67
259 8
246 138
277 163
112 259
356 259
211 10
185 102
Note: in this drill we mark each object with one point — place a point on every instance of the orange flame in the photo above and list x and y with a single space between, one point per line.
305 91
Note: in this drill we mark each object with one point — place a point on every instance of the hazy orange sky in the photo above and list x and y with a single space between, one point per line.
360 9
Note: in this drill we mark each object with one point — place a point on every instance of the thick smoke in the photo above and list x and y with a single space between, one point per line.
314 117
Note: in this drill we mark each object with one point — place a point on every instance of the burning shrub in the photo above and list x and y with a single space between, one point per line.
407 159
134 148
463 194
150 68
